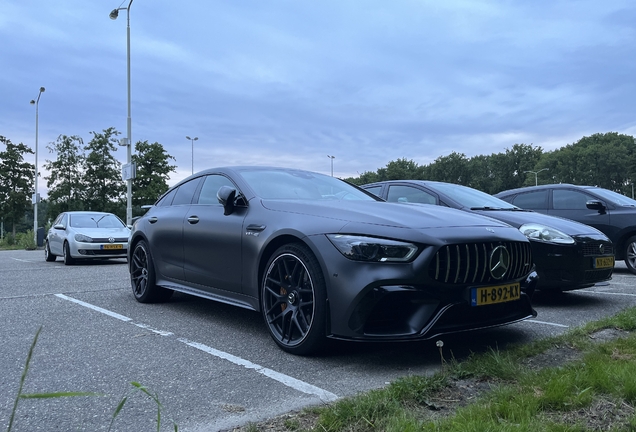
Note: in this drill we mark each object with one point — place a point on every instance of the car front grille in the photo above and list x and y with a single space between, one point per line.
471 263
594 248
106 240
99 252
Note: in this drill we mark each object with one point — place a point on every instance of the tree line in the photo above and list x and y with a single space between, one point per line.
81 177
88 177
605 160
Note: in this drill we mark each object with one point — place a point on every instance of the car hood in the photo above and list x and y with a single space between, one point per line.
103 232
516 218
399 215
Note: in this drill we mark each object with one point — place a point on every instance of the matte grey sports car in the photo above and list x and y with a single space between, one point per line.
322 259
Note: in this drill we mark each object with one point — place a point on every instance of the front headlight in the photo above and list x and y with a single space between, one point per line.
545 233
360 248
83 238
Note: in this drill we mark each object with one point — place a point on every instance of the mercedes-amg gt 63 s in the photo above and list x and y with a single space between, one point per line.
322 259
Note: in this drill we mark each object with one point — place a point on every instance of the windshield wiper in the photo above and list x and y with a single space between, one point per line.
98 220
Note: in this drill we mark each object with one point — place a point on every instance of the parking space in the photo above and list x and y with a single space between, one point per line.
212 365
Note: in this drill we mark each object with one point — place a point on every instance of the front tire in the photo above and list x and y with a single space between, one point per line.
48 256
68 259
142 277
293 300
630 254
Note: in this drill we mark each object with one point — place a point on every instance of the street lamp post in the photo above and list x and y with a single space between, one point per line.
192 140
332 158
536 173
113 15
36 102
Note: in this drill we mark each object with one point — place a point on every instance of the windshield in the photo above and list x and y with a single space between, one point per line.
616 198
96 220
301 185
471 198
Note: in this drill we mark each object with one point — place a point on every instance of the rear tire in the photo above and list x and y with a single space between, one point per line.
630 254
48 256
68 259
293 300
142 277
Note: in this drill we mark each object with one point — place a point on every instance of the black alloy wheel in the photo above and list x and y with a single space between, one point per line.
630 254
68 259
142 277
48 256
293 300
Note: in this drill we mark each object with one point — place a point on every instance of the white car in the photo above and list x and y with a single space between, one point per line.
78 235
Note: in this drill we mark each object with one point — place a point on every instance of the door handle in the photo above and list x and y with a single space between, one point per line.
193 219
152 219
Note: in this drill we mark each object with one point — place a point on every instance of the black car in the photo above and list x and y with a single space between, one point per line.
322 259
609 212
568 255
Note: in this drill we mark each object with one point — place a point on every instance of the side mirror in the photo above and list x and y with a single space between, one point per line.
596 205
59 227
226 196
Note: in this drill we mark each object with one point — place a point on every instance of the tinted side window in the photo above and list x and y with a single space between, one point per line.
185 192
409 194
563 199
532 200
211 186
375 190
166 200
64 220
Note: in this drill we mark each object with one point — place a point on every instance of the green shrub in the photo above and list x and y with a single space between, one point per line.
26 240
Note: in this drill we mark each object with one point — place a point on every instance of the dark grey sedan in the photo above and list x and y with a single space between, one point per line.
568 255
610 212
323 259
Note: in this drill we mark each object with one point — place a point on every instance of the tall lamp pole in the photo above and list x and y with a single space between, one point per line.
36 102
536 173
192 140
113 15
332 158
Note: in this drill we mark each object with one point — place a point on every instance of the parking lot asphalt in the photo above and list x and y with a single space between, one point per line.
212 366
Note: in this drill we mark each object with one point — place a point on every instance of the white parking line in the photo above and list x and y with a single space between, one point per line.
608 293
546 323
291 382
284 379
95 308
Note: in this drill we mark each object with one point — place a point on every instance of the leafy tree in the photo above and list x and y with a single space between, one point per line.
153 173
401 169
105 189
604 160
451 169
65 181
16 182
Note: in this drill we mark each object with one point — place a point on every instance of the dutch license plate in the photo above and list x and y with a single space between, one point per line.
496 294
113 246
603 262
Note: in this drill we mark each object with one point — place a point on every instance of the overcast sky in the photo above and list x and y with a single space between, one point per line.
289 82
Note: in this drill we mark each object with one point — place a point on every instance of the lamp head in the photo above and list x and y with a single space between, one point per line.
187 137
195 138
32 102
114 14
42 89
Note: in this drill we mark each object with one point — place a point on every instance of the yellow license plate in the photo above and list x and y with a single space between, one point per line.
496 294
113 246
603 262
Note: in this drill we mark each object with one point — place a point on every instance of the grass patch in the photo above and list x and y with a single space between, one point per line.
592 387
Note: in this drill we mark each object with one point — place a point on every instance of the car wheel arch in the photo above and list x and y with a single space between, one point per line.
272 247
132 243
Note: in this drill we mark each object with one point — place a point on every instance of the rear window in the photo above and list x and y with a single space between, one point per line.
537 200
